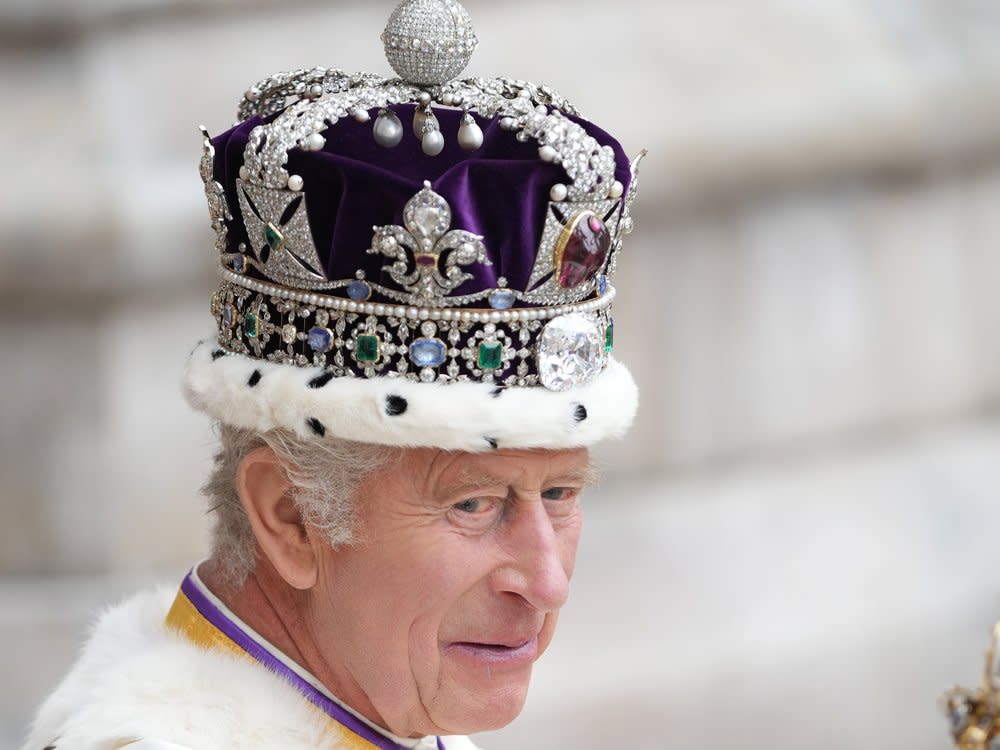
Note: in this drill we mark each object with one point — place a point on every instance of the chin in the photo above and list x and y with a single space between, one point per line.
479 709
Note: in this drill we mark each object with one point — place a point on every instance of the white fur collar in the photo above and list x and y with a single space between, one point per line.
137 680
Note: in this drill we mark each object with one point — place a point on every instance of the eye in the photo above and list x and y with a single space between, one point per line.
475 513
559 493
469 506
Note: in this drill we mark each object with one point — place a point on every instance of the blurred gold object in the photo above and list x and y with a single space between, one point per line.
975 714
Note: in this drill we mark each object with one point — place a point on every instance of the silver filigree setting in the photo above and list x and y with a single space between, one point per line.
215 194
278 228
427 254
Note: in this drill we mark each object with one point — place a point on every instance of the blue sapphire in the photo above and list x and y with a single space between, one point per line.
602 284
228 315
239 264
427 352
320 339
502 299
359 291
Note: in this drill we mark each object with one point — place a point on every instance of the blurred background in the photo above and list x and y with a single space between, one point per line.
799 543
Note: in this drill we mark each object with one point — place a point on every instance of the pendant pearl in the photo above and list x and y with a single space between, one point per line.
388 129
295 183
432 142
470 135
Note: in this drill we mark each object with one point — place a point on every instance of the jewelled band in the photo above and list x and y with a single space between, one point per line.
557 347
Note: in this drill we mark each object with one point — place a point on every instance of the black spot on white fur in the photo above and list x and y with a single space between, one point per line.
580 413
254 378
496 392
492 441
316 426
320 380
395 405
218 353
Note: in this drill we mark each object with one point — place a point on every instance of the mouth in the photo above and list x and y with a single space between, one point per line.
513 653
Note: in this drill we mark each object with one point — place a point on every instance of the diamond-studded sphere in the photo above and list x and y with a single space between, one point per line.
429 42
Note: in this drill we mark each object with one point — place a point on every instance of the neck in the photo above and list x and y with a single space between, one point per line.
275 610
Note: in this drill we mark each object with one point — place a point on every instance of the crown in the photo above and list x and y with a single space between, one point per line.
476 245
974 715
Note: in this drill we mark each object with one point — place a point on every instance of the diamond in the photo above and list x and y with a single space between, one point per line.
289 333
569 352
582 249
427 352
366 347
501 299
250 325
428 219
490 355
273 237
320 339
359 291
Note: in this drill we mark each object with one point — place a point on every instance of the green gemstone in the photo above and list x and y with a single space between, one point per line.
490 355
367 348
273 237
609 336
251 325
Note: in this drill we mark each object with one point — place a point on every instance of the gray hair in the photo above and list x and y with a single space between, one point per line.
325 475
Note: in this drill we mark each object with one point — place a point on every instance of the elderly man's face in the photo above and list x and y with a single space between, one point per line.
432 623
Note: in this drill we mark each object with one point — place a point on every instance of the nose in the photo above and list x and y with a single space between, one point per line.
540 559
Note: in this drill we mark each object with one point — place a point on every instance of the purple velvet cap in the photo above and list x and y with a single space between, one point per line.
499 191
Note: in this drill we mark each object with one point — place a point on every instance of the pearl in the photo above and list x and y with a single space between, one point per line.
252 94
424 314
316 91
411 312
369 308
494 317
446 315
470 135
542 109
379 309
295 183
244 174
507 123
424 98
352 306
388 130
313 142
558 192
547 153
435 314
465 316
432 142
447 99
616 189
419 118
361 115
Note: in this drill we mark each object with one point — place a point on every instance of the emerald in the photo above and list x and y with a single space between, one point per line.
609 336
367 348
490 355
250 325
273 237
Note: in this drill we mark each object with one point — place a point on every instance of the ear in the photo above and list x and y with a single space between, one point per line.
266 494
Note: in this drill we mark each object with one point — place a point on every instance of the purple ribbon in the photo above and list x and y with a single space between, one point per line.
232 631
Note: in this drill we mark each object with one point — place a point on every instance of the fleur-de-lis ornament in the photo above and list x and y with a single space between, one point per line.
427 254
974 715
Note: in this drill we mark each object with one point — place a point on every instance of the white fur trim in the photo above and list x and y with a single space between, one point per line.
454 416
136 680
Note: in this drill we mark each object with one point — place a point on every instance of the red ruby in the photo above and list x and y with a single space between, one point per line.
585 250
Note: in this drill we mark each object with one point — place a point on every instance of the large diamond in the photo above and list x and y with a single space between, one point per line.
570 352
582 249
